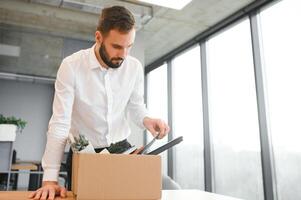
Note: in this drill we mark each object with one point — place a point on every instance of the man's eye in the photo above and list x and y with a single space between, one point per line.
117 47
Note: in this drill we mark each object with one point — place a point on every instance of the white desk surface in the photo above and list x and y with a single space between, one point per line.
193 195
166 195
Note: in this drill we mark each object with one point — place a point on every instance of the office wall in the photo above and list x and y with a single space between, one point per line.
31 102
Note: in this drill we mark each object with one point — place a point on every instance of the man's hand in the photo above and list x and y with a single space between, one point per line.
49 190
156 126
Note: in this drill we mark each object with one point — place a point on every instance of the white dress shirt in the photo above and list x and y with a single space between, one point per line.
92 101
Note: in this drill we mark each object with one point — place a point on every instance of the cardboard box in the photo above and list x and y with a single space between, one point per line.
116 176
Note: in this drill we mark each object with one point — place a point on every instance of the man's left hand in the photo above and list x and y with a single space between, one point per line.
156 126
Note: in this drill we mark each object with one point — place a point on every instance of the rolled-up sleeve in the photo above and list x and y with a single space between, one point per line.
136 106
60 121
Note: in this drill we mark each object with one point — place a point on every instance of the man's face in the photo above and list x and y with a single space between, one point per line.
114 47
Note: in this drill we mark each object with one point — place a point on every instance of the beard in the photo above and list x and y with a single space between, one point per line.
107 60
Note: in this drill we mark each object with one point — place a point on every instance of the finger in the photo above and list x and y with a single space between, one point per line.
63 192
44 194
32 194
51 194
38 194
152 130
161 125
167 129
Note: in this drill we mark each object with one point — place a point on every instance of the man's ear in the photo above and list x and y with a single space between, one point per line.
98 37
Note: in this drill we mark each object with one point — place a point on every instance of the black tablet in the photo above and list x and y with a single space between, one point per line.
166 146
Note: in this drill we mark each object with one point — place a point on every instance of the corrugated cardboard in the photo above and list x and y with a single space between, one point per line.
116 176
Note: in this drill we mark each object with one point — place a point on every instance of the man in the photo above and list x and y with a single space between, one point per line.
94 90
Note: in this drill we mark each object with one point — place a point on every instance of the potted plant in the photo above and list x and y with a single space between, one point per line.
9 126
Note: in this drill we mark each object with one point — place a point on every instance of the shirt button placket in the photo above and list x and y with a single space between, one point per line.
109 106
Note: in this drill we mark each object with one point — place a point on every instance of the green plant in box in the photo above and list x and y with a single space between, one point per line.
80 143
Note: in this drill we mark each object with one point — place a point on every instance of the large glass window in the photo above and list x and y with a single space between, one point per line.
188 120
233 114
157 104
281 33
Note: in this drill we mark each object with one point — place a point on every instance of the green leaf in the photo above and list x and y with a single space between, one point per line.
13 120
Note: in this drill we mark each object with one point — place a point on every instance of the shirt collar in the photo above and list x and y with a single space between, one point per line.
93 60
94 64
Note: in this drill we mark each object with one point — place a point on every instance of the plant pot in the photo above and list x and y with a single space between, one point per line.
8 132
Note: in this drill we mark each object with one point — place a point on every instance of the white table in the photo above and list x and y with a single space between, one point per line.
166 195
193 195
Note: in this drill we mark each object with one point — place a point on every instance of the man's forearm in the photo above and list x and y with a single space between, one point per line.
52 157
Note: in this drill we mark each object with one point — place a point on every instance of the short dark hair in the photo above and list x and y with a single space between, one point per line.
115 17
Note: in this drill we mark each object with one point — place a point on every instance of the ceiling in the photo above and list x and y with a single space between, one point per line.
163 29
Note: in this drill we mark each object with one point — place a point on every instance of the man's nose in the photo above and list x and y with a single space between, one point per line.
123 53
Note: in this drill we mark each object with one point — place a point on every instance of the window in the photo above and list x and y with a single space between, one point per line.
233 114
281 44
157 104
188 120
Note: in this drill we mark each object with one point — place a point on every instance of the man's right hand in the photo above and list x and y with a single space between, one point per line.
49 190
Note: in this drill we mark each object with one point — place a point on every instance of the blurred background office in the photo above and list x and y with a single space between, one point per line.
224 74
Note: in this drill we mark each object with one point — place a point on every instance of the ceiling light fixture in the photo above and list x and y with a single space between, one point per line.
174 4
